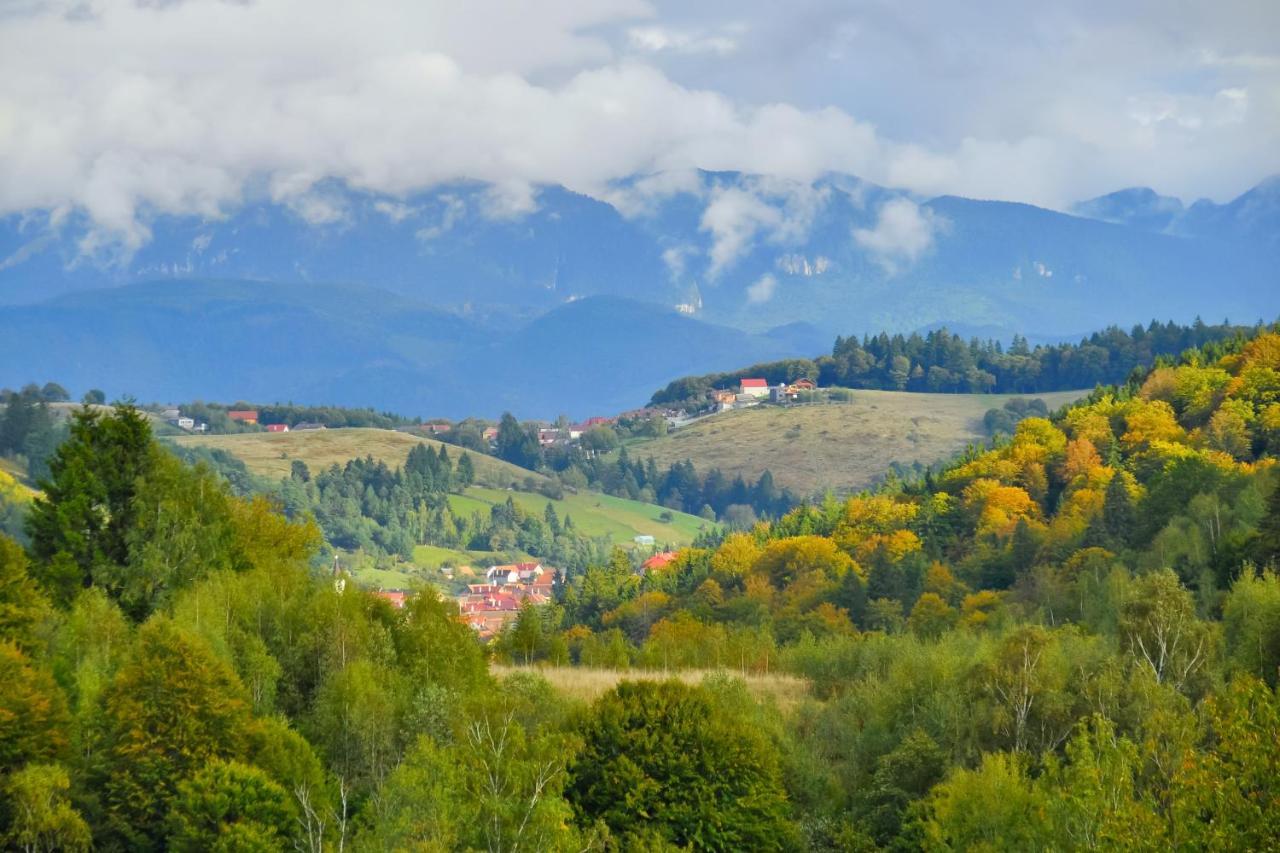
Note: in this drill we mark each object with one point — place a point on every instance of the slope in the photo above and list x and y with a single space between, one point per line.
839 446
272 454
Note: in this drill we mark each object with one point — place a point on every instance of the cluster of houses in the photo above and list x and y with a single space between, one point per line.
490 606
174 417
249 417
550 435
752 391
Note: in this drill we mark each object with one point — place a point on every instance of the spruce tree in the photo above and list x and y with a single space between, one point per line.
1267 545
81 523
1118 516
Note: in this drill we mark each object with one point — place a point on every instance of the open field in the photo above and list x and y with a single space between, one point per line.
596 514
585 684
271 454
837 446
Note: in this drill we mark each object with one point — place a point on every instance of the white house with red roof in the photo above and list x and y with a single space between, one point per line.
754 388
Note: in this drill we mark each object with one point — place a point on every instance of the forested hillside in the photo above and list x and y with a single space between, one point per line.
941 361
1068 641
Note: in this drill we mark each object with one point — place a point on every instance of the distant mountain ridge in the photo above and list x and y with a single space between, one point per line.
358 346
461 300
728 248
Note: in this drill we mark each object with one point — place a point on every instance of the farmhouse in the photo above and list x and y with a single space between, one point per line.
754 388
244 416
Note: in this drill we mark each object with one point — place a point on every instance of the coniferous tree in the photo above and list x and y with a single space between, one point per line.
1267 544
1118 514
80 525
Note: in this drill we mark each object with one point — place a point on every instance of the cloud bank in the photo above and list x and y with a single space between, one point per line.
124 109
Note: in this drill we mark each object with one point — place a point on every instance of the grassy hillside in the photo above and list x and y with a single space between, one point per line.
271 454
594 514
843 447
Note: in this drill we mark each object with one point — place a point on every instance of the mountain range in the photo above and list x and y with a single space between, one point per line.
464 301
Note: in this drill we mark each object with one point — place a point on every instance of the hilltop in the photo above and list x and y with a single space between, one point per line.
838 446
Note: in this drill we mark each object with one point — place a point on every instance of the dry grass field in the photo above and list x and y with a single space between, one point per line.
271 454
838 446
585 684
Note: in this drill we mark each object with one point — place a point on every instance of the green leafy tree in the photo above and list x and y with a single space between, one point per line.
94 397
172 708
661 757
22 606
33 713
231 807
1251 624
39 812
992 808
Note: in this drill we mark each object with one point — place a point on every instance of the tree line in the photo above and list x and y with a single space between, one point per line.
943 362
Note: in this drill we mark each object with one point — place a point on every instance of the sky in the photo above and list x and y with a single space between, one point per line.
125 109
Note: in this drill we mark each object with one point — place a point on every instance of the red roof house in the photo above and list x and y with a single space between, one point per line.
755 387
277 427
244 416
658 561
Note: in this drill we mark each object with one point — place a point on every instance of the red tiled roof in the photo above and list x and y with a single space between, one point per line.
657 561
754 383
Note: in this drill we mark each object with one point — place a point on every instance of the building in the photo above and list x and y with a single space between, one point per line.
277 427
658 561
397 598
171 414
489 607
644 539
437 428
244 416
754 388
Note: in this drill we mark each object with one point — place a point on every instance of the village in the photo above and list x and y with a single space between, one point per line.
489 607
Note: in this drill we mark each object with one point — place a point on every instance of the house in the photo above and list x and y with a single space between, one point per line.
644 539
185 423
548 436
754 388
277 427
397 598
658 561
244 416
514 573
308 425
437 428
804 385
490 434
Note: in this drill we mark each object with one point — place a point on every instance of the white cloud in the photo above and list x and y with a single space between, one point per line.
126 110
740 214
655 39
902 233
762 289
454 209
